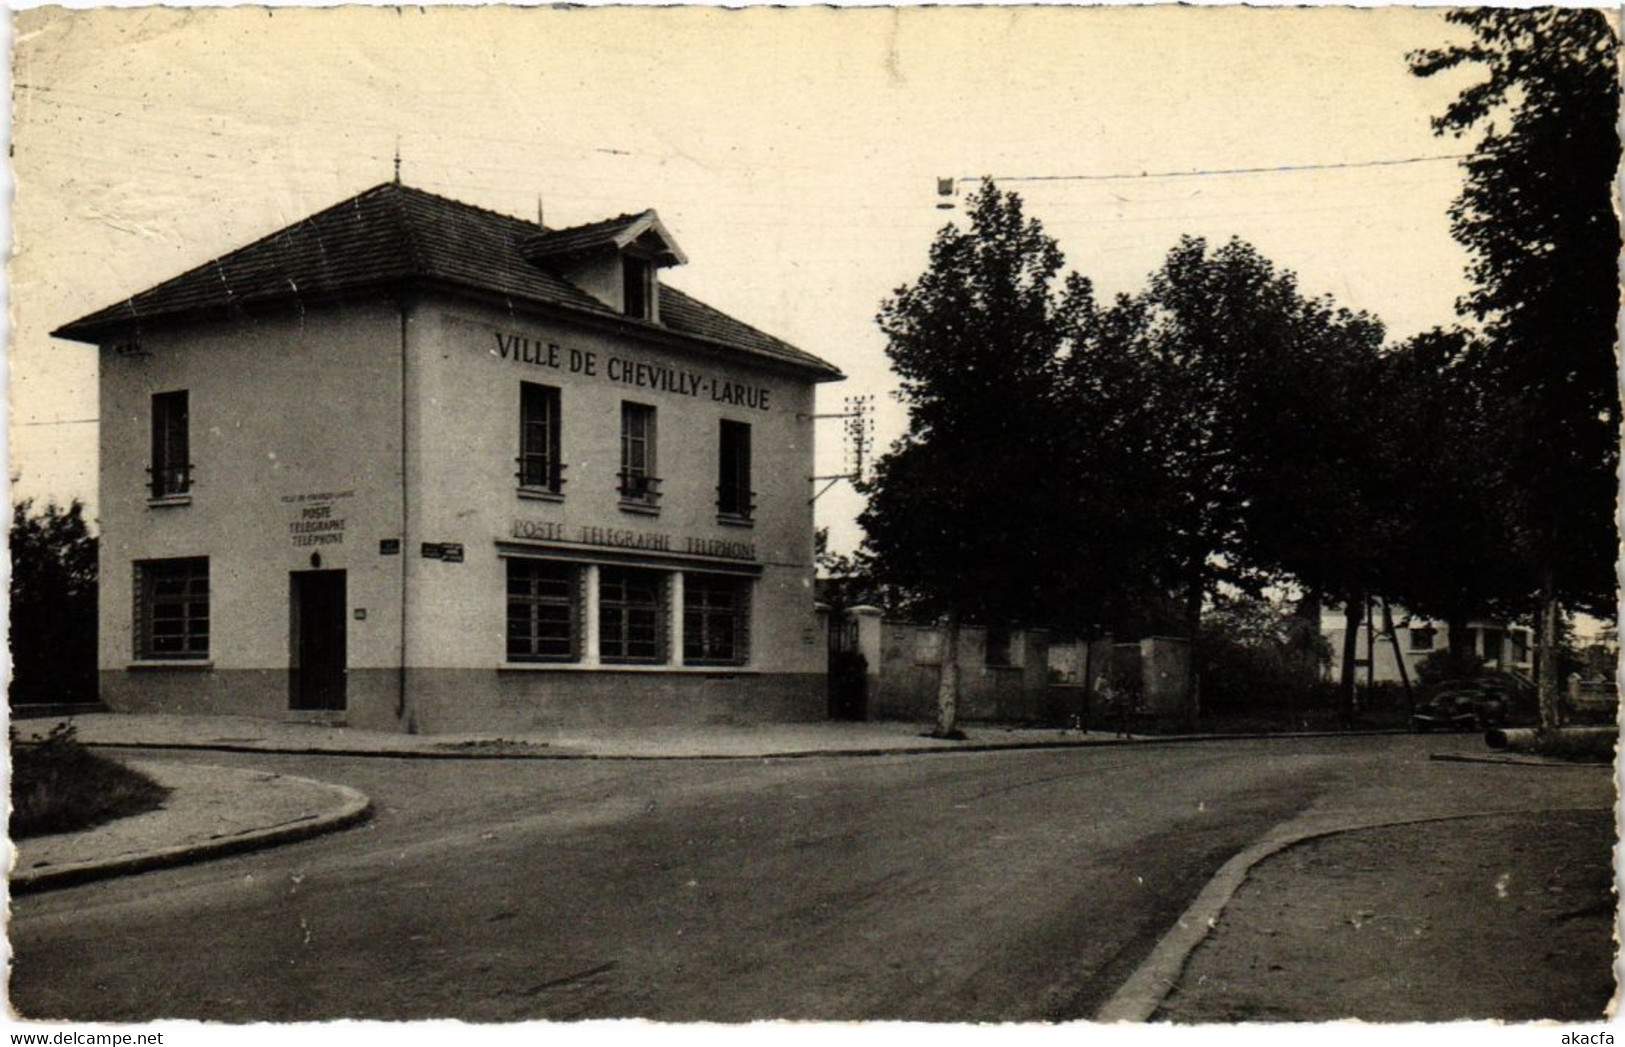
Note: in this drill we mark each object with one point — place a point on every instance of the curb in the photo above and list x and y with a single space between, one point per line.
1138 998
792 754
355 809
1513 760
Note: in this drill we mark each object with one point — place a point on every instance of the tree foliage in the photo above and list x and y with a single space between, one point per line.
1237 403
957 508
53 604
1537 215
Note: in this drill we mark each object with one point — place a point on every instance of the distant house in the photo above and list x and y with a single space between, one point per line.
1496 645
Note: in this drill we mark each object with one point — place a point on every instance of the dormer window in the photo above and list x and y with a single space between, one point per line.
616 261
638 287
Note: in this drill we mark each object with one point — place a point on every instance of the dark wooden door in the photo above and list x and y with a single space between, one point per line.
317 670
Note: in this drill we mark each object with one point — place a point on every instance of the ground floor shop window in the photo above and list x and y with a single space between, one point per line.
543 623
631 615
172 609
716 616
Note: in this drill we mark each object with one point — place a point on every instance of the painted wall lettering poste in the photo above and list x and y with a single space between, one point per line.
620 369
317 523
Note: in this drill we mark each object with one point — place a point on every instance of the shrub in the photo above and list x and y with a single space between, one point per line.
53 605
1256 656
58 785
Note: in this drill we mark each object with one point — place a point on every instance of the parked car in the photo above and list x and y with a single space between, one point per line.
1477 703
1451 705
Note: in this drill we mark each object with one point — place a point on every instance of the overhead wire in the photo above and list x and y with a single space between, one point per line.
1206 172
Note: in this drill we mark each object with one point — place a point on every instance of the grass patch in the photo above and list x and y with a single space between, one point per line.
59 786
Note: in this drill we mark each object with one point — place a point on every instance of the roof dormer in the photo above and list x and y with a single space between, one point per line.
617 261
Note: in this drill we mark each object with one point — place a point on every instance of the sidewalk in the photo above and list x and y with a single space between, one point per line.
698 742
244 734
210 811
1507 916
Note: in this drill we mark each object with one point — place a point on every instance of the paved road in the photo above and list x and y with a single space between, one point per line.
994 886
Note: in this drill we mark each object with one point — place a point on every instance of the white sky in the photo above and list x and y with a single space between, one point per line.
793 153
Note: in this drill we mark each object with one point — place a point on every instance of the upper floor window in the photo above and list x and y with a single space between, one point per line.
733 471
171 468
639 485
638 287
542 611
539 465
631 615
172 608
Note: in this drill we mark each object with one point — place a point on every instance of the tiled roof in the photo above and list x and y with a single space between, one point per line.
544 242
397 235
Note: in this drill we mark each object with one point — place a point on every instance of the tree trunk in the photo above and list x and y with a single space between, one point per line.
1463 660
1399 657
948 680
1193 627
1551 714
1353 612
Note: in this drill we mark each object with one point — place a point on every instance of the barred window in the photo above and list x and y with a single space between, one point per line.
539 466
543 602
172 609
716 620
631 615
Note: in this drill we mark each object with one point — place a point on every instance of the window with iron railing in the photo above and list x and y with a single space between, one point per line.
170 474
735 499
539 426
639 486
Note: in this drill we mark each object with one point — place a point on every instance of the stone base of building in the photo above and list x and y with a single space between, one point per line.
480 701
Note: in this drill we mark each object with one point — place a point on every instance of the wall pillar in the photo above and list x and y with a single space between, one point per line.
868 619
675 655
589 632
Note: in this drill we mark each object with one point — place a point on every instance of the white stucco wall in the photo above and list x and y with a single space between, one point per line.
282 411
464 438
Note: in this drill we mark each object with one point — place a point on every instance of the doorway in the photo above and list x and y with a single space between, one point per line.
318 655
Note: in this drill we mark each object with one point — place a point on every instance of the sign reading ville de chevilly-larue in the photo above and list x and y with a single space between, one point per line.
524 350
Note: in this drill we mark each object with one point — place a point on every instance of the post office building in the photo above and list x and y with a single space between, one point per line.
411 464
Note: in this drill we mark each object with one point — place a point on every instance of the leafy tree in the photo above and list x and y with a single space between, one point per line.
53 604
1439 451
1537 215
958 508
1224 394
1255 651
847 580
